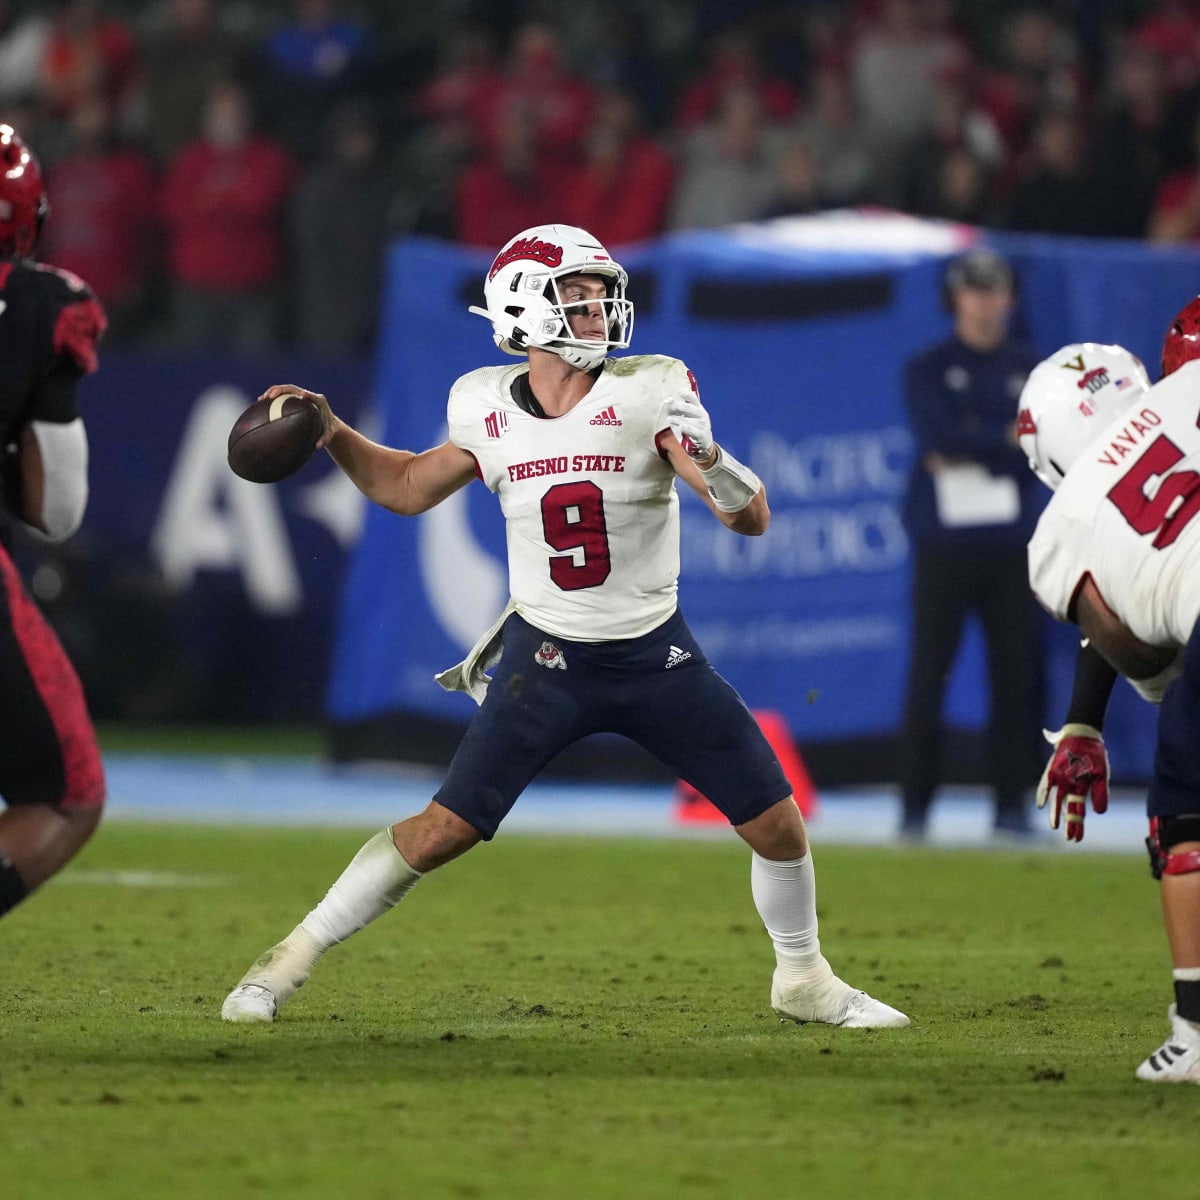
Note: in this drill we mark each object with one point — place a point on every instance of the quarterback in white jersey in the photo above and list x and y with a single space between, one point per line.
1117 551
584 452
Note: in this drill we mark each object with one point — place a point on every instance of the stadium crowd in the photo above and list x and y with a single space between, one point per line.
226 174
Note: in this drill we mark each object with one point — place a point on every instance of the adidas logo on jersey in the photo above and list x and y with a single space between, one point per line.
676 655
607 417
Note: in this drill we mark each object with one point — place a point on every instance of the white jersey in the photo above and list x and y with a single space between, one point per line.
590 508
1125 515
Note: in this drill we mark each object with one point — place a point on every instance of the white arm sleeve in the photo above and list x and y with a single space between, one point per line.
64 453
731 484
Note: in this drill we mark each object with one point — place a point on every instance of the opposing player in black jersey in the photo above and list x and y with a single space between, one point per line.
51 777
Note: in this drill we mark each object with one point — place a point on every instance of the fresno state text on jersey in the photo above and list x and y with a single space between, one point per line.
592 515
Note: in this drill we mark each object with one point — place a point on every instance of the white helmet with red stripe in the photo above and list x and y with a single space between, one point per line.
1069 398
525 306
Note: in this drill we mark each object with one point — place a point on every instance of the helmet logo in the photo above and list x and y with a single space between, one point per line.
1074 364
1094 380
547 253
1025 423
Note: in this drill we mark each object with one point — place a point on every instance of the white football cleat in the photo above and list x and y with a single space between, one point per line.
248 1004
1177 1060
828 1000
272 980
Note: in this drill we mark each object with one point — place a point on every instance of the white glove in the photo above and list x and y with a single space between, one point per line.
691 424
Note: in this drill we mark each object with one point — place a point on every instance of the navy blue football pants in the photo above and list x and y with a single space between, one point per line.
658 690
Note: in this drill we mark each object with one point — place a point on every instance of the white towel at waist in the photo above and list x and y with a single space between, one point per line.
471 675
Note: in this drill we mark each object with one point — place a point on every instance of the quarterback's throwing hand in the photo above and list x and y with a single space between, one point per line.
691 424
327 418
1078 768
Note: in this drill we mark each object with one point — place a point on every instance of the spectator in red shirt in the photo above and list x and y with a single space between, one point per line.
223 200
509 189
622 189
463 85
539 92
1172 30
87 53
104 226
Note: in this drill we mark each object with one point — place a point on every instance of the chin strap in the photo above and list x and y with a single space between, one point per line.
584 358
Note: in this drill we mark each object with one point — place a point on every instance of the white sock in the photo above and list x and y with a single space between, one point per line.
376 880
785 894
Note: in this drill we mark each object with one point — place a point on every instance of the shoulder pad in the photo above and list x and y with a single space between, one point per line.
77 331
62 283
78 317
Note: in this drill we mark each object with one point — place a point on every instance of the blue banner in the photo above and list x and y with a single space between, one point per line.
797 333
222 593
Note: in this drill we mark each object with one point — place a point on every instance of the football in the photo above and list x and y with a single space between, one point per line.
273 439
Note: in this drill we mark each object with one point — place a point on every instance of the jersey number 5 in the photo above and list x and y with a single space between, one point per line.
1172 506
573 519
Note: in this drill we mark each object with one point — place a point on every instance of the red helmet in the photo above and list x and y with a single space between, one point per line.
1182 343
23 202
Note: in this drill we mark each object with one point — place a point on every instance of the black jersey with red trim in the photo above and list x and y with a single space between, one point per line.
50 324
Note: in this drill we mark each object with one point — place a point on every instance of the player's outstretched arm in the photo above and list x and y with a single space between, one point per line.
398 480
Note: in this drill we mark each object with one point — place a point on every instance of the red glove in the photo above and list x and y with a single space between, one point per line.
1079 767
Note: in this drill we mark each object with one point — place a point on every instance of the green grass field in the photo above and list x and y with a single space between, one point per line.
579 1018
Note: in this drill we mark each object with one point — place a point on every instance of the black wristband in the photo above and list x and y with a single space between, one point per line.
1095 679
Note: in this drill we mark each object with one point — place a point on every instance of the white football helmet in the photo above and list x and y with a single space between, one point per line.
1070 398
523 300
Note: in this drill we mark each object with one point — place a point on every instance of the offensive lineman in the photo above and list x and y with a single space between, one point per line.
583 451
51 776
1115 552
